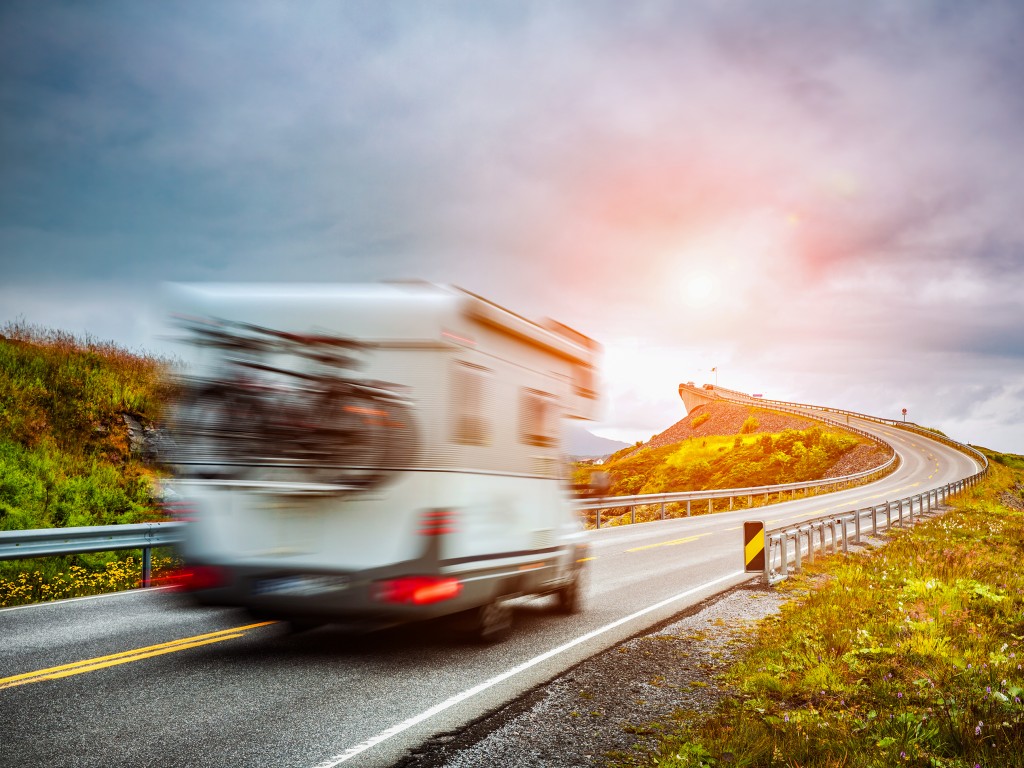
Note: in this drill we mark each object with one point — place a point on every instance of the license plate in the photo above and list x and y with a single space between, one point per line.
299 585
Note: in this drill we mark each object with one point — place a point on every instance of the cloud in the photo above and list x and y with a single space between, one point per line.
801 192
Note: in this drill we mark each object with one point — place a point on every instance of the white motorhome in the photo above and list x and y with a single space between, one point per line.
383 452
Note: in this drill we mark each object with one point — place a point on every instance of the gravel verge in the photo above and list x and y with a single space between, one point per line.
607 703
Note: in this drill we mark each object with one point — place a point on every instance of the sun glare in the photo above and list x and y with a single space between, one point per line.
700 289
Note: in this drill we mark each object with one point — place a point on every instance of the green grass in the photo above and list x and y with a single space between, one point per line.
736 461
909 655
65 454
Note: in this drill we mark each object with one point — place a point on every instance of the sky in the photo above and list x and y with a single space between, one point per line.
822 201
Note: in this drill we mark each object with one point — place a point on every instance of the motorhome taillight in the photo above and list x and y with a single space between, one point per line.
417 590
195 578
437 522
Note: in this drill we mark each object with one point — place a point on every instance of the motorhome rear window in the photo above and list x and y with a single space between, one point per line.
471 425
538 418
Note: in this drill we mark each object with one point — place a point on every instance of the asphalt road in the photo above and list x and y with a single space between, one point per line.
140 679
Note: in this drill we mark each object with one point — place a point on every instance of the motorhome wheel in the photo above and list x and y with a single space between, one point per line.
570 597
491 622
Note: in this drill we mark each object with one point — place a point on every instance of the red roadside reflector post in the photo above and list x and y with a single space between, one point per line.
753 546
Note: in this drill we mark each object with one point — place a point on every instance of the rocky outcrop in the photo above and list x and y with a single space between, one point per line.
144 440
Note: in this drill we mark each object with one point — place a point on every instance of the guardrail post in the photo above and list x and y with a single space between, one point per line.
911 511
846 545
147 566
687 507
730 503
710 502
663 510
874 521
784 565
632 514
599 518
856 527
797 555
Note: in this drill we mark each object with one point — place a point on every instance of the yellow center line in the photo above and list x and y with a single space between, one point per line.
585 559
667 543
136 654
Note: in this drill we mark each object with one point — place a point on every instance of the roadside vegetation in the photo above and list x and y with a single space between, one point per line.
68 456
729 461
748 456
906 655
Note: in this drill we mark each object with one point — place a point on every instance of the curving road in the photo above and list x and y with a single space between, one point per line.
137 679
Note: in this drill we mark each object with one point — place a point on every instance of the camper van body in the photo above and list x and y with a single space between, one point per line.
471 508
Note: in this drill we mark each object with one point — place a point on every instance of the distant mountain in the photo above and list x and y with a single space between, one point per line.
581 443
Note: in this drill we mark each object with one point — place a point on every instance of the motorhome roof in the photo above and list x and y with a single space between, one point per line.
372 312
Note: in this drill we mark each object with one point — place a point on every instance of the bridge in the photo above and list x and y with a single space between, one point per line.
694 396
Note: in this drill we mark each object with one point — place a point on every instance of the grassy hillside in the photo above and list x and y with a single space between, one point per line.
66 455
73 415
762 447
907 655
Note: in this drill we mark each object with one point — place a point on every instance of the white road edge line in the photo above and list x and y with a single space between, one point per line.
405 725
62 601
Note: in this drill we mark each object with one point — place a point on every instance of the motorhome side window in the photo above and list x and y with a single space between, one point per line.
538 419
471 424
584 381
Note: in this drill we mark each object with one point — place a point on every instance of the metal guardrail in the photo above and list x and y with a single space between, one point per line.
832 532
800 408
46 542
619 502
663 499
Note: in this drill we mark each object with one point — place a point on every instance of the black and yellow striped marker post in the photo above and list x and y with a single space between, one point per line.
753 546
